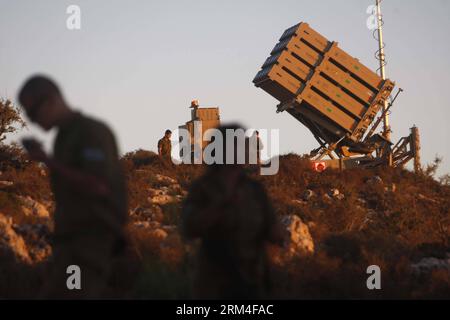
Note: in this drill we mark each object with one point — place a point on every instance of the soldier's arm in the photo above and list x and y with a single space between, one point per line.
191 222
159 148
99 157
202 207
96 161
79 180
198 214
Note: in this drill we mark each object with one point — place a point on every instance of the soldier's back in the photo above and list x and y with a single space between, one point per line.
234 226
88 227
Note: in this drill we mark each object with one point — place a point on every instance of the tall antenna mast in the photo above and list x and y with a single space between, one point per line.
382 58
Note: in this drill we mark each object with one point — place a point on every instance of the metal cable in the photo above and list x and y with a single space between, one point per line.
378 56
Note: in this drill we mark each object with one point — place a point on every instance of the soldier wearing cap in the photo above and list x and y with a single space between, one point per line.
165 146
88 187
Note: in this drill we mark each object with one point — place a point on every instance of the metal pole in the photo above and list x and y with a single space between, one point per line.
382 59
415 146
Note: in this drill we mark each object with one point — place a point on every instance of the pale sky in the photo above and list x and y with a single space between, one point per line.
138 64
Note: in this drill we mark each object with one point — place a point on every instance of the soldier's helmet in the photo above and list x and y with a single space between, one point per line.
195 104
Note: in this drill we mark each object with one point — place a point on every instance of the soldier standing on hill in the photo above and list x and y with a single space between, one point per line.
256 146
232 215
165 146
88 188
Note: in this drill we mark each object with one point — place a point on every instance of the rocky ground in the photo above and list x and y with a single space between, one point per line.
336 224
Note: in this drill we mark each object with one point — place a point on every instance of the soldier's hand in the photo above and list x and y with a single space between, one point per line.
34 150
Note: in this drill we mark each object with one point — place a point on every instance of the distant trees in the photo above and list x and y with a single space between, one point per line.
10 118
445 180
10 121
431 169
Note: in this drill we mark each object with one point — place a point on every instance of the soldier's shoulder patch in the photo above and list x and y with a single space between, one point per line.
93 154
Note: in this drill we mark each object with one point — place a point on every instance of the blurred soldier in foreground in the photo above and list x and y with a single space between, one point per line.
88 187
165 146
232 216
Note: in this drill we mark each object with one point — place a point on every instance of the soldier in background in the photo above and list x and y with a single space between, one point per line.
194 106
232 216
88 187
165 146
255 147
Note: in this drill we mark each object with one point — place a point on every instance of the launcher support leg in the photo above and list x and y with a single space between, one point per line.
415 148
390 158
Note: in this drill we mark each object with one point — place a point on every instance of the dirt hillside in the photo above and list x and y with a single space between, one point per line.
336 225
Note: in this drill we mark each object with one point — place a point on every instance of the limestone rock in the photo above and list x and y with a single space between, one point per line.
375 180
427 265
308 195
5 184
299 240
165 179
12 244
31 207
159 233
37 239
162 199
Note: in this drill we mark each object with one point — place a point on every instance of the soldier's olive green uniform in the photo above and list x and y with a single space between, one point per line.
88 228
166 147
234 228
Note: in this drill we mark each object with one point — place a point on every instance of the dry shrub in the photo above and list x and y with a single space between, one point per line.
405 226
10 118
163 270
